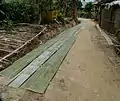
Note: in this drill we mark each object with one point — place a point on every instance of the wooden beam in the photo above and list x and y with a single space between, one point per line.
21 77
21 63
40 80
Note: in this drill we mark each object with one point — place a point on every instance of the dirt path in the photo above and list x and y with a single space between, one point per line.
86 73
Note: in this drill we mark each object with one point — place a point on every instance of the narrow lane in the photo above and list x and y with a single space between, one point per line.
86 73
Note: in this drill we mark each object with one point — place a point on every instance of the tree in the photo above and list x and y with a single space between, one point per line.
2 14
43 6
79 4
74 10
88 7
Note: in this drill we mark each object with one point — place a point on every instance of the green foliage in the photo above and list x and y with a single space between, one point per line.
84 14
79 4
27 11
70 6
88 7
20 12
8 25
60 16
9 1
47 5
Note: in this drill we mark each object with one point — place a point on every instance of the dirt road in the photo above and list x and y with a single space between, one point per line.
86 73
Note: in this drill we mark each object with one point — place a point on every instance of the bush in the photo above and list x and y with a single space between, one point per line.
84 14
60 16
8 25
88 7
20 12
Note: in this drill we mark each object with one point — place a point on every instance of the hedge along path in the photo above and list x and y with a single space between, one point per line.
21 63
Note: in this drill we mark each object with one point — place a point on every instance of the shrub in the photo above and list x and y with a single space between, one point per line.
8 25
60 16
20 12
88 7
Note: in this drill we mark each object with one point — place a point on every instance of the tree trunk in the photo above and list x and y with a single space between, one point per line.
40 11
74 10
64 6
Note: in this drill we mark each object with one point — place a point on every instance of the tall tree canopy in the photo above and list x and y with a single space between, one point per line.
88 7
79 4
22 8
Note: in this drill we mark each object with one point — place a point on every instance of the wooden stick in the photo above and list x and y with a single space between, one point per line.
15 51
6 60
104 35
116 45
113 39
27 24
8 45
16 40
118 50
7 51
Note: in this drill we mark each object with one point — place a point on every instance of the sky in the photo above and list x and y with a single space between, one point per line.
85 2
89 0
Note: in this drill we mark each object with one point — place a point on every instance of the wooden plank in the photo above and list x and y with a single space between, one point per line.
30 69
41 79
20 78
18 65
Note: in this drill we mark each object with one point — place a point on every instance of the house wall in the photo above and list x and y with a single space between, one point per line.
117 19
110 19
